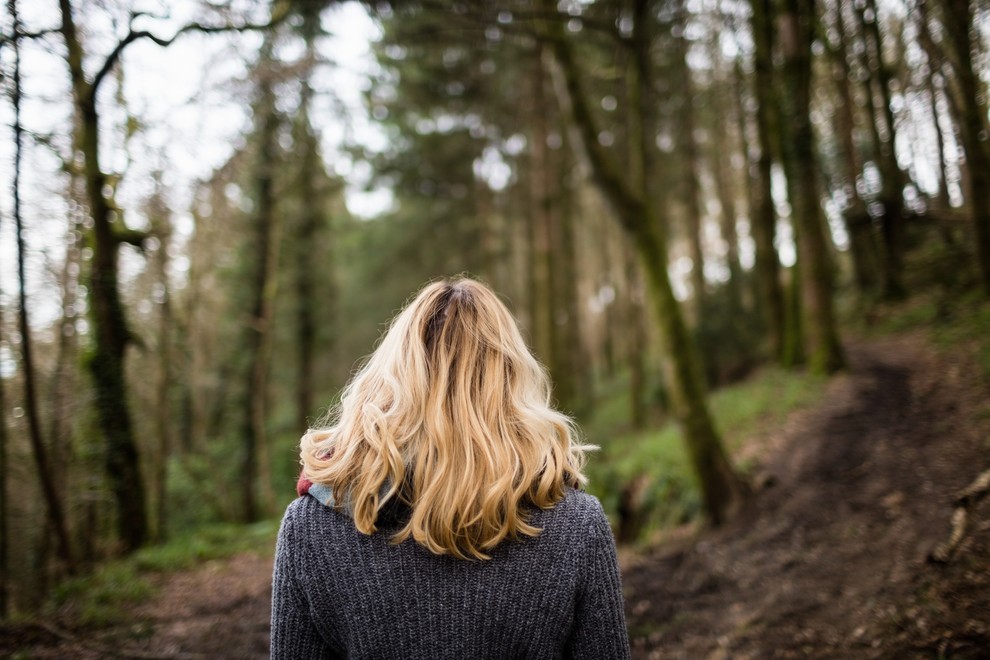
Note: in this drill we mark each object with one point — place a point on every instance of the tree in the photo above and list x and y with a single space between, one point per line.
764 219
109 325
959 18
857 219
46 475
635 209
877 86
111 333
796 34
264 286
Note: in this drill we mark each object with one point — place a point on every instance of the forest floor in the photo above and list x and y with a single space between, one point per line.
828 560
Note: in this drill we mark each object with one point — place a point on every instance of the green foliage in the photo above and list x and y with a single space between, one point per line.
966 323
103 597
672 497
729 338
212 542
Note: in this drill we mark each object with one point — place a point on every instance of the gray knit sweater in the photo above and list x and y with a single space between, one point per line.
338 593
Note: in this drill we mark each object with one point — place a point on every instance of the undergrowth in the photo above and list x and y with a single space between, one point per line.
672 496
102 598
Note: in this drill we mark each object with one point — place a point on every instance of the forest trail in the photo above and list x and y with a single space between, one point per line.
829 561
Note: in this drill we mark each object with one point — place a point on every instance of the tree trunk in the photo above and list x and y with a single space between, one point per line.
4 501
258 496
892 194
722 490
796 34
312 219
56 515
960 24
111 335
691 168
857 219
636 342
764 219
935 84
159 216
540 223
568 345
725 183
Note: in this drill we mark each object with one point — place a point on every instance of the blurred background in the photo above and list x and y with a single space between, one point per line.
210 210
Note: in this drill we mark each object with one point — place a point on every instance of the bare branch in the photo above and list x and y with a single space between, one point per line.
279 14
22 34
134 237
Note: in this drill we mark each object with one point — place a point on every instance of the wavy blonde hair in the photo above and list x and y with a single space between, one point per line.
451 414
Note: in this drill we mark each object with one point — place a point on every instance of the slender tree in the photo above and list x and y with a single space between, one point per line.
959 17
722 490
764 218
691 167
259 497
43 463
4 500
161 223
312 219
884 130
857 219
796 34
110 329
541 217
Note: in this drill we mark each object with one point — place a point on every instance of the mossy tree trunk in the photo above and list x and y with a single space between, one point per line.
859 225
541 220
691 167
884 133
726 184
764 218
796 34
258 495
311 178
4 503
959 18
161 223
44 463
722 490
109 326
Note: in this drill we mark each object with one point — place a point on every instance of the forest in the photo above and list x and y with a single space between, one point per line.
749 240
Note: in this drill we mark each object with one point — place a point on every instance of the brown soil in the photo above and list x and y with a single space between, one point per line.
828 561
220 609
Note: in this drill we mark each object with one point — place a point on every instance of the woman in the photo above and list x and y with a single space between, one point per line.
438 514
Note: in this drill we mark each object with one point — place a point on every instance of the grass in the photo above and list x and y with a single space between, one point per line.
952 321
672 496
103 597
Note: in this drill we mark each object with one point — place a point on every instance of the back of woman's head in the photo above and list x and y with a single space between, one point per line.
452 415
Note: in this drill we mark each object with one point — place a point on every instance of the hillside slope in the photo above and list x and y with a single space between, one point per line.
830 560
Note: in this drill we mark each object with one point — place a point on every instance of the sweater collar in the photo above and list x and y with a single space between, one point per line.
321 492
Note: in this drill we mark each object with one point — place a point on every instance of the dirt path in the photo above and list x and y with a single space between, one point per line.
831 559
220 609
828 562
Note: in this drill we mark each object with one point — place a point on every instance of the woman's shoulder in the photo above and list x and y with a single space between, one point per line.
306 511
580 503
578 511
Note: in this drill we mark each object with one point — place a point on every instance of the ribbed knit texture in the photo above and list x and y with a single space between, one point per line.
338 593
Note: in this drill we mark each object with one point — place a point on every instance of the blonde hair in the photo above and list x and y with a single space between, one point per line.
451 414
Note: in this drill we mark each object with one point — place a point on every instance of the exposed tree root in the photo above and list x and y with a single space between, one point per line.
966 499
